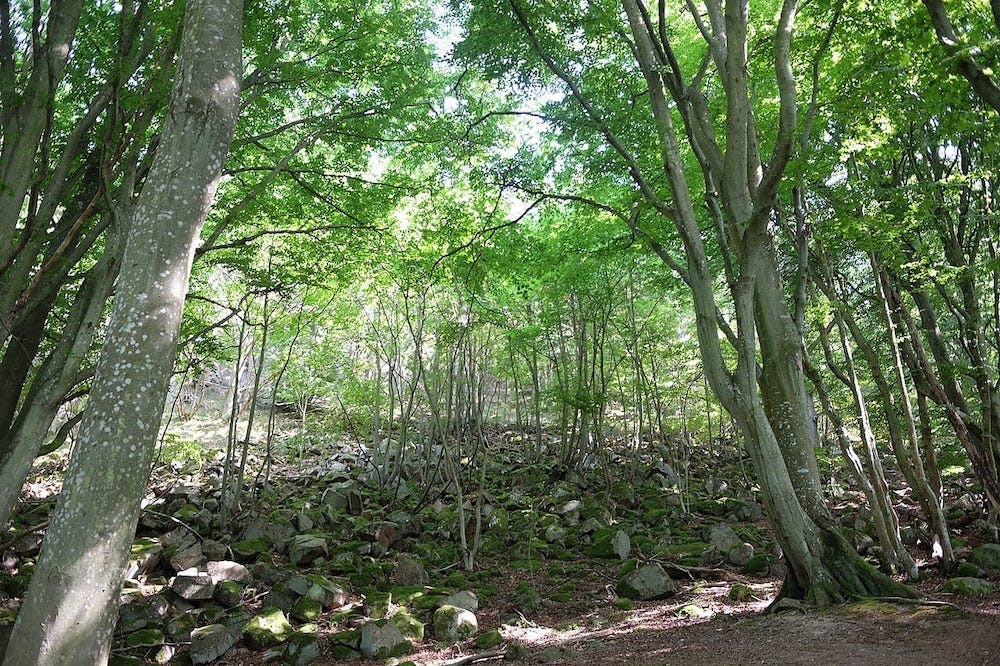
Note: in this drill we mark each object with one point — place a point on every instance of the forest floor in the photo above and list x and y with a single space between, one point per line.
548 590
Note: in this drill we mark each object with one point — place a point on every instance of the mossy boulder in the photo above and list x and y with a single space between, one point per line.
382 639
489 639
453 624
302 648
409 626
307 609
969 586
968 569
646 581
211 642
986 556
249 550
145 638
268 628
740 593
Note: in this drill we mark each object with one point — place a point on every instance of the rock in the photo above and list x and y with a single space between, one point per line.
145 638
318 588
722 537
342 496
306 548
758 564
740 554
376 604
986 556
193 585
740 593
303 523
229 593
555 534
227 570
453 624
693 612
306 609
966 585
488 640
409 626
268 628
249 550
214 550
382 639
280 597
303 648
621 544
603 544
181 627
188 557
968 569
211 642
648 581
465 599
145 555
409 571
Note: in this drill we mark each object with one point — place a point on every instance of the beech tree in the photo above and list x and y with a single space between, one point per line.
703 128
72 604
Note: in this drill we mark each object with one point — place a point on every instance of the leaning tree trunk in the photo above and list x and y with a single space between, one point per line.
71 606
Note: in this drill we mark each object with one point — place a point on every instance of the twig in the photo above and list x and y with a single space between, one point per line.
176 520
474 658
20 537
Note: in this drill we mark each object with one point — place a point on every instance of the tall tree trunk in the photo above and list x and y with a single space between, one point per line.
71 605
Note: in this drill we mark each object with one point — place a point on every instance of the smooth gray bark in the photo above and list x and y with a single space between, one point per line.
71 606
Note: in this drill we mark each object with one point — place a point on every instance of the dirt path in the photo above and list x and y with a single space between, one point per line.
869 633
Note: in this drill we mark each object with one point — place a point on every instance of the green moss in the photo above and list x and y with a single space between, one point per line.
740 593
624 604
270 627
489 639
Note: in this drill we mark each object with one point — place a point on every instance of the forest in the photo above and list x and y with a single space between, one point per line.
458 332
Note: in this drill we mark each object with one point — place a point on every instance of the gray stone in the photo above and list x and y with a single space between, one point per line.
409 571
465 599
382 639
193 585
555 534
306 548
722 536
302 649
318 588
986 556
269 627
188 557
622 544
227 570
648 581
229 593
211 642
214 550
145 555
969 586
453 624
740 554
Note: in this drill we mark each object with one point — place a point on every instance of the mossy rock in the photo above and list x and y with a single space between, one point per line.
969 586
250 549
377 603
453 624
488 639
624 604
968 569
759 564
229 593
986 556
404 594
409 626
740 593
307 609
268 628
145 638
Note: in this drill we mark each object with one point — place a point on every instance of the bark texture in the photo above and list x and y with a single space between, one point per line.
71 606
